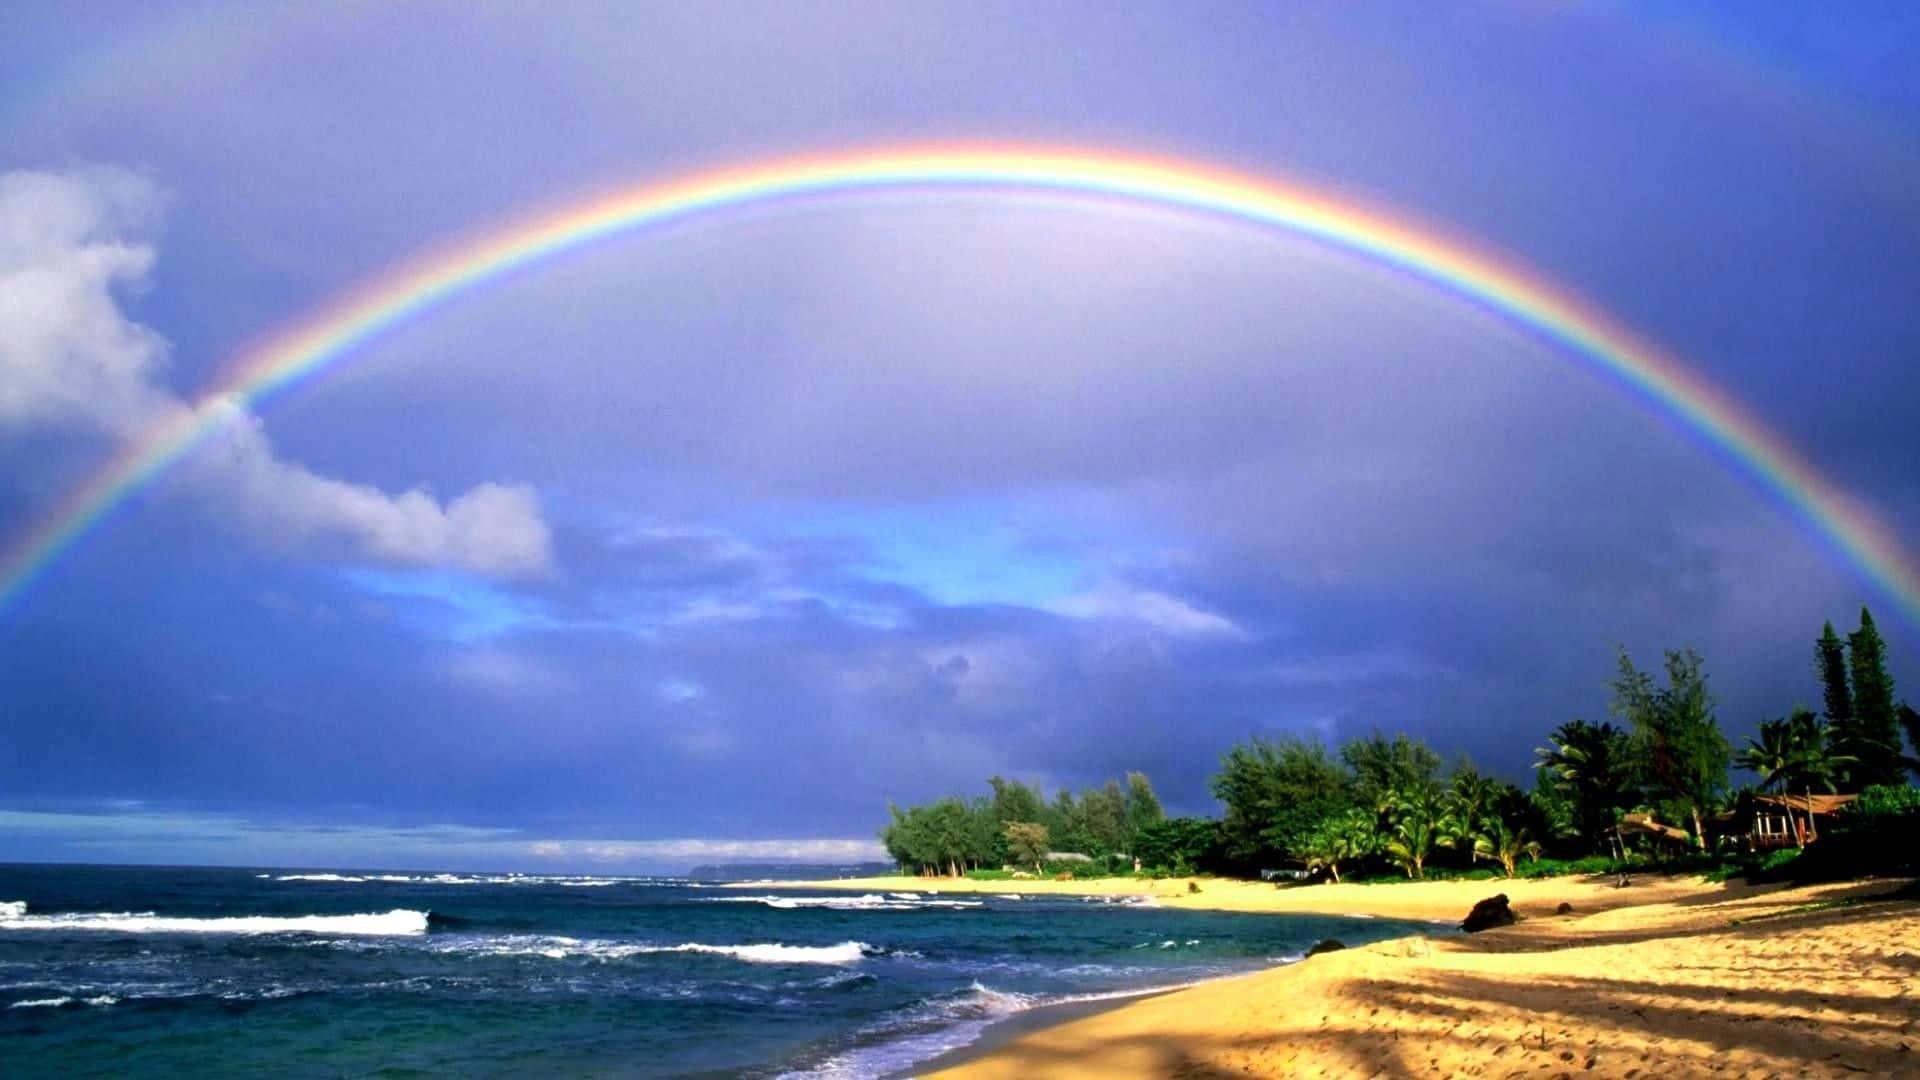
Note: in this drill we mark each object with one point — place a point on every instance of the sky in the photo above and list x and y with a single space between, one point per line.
704 542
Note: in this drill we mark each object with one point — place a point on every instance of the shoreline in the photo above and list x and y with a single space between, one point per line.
1008 1029
1697 978
1415 901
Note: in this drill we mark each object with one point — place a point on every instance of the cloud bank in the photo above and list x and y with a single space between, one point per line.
71 361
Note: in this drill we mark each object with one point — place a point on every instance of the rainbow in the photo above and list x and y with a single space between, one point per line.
413 289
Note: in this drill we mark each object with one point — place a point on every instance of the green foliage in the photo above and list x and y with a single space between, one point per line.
1343 839
1586 778
1505 844
1830 663
945 837
1143 809
1383 766
1078 870
1179 846
1276 794
1871 737
1677 740
1026 843
1885 803
1419 815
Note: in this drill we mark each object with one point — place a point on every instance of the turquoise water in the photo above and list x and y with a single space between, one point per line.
211 972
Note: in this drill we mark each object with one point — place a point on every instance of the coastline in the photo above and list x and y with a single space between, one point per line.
1417 901
1686 978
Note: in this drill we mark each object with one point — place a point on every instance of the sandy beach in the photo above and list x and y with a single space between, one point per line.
1667 977
1432 901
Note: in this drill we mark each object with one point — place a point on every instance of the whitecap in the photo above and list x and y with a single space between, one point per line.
398 922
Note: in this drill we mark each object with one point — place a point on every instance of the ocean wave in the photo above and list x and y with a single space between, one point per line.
927 1030
12 909
98 1001
863 902
398 922
563 880
565 948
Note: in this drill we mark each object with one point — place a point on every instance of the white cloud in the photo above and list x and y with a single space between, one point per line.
1170 614
801 850
71 360
130 831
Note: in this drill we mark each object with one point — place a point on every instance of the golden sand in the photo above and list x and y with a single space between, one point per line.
1667 977
1437 901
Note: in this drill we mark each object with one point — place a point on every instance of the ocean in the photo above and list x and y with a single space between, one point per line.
116 971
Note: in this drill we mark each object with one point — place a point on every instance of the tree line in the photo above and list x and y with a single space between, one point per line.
1383 801
1014 825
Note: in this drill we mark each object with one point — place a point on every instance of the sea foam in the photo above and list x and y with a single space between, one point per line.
399 921
564 948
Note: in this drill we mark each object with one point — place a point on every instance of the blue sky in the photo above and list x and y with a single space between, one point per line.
706 543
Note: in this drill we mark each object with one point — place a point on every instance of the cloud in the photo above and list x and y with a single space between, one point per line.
129 830
803 850
1170 614
70 360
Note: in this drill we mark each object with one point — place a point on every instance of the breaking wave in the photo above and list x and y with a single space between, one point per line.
563 948
398 922
864 902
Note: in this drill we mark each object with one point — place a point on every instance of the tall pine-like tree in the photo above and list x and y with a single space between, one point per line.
1910 719
1830 662
1871 736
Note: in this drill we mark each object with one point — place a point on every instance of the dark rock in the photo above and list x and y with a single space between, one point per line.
1329 945
1564 909
1489 913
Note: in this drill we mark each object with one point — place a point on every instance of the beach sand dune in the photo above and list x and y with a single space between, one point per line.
1697 980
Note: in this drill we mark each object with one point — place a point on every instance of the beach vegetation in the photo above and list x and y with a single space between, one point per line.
1681 751
1419 814
1649 791
1869 735
1586 780
1505 844
1027 844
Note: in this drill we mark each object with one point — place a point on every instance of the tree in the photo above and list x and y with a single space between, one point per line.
1345 838
1910 720
1015 801
1276 793
1027 843
1871 737
1067 819
1794 755
1830 663
1382 766
1679 742
1178 845
1470 803
1504 843
1419 819
1143 809
1591 769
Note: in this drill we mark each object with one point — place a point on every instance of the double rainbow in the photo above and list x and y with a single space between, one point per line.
335 331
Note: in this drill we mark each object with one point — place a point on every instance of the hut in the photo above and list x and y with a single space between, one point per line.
1778 821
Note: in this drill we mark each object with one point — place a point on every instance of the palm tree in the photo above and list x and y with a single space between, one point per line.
1419 821
1470 803
1794 753
1505 844
1595 762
